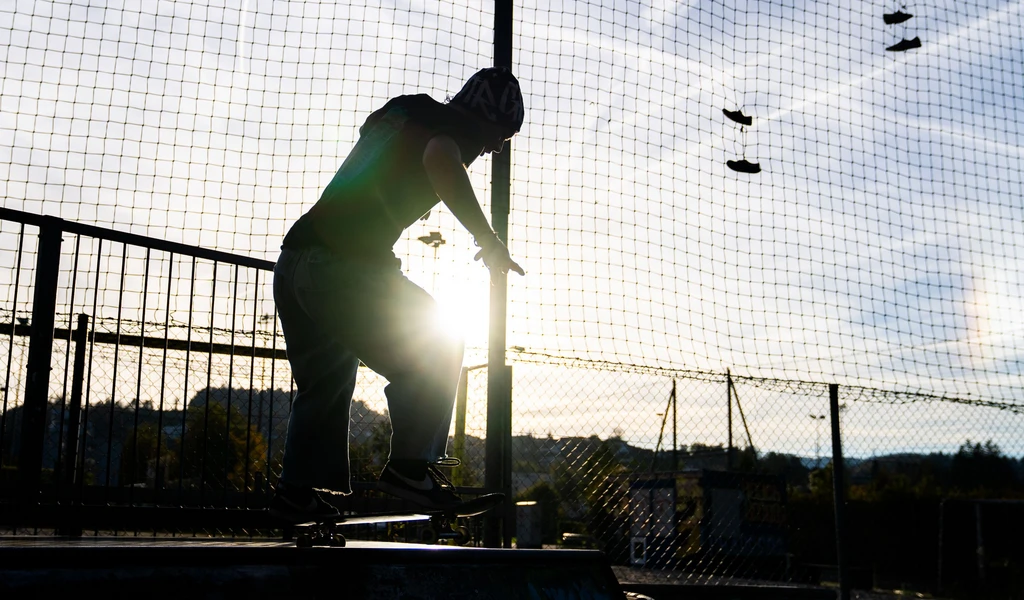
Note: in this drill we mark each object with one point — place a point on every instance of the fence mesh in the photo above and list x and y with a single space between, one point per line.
877 245
721 209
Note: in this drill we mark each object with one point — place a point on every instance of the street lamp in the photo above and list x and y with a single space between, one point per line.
817 444
434 240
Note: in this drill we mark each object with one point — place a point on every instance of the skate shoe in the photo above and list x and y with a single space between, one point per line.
419 482
300 505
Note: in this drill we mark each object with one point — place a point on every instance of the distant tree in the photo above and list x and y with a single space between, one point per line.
547 499
698 448
140 453
221 449
982 469
581 478
887 486
819 481
745 460
790 467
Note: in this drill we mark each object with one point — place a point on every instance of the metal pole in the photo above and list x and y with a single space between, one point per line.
728 400
979 554
498 449
675 439
80 337
40 352
942 528
839 493
459 442
72 474
497 475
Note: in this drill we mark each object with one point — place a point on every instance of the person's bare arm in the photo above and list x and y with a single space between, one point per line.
442 160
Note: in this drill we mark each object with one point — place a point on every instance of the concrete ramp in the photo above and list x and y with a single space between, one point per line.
188 569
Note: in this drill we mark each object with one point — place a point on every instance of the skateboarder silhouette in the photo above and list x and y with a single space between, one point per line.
342 297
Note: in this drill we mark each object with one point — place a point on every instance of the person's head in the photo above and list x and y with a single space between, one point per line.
493 97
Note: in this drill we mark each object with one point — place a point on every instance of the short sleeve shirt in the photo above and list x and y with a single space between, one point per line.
382 187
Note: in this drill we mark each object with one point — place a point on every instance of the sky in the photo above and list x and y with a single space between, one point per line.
882 243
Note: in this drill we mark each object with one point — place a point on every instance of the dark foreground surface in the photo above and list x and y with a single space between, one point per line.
196 568
192 569
670 585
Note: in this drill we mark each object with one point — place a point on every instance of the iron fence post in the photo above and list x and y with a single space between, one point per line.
72 474
80 337
728 401
839 493
40 352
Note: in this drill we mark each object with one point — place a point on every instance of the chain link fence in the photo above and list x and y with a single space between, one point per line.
178 394
720 478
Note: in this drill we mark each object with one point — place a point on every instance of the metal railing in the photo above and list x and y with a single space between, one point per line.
137 365
147 386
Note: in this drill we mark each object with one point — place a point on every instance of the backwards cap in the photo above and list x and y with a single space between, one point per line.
494 94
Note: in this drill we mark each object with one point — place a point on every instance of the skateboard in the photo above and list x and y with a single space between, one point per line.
443 523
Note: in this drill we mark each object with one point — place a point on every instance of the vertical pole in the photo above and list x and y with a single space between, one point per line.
459 442
839 493
40 352
728 401
675 439
80 338
498 475
942 540
72 474
509 517
979 554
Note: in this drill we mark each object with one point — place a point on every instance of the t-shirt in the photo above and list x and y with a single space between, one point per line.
382 187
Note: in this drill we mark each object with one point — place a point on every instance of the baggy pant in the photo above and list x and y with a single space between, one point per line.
335 312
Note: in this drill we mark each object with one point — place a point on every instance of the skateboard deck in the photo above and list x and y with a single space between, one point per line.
443 523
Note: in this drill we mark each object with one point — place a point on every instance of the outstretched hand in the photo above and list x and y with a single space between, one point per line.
496 257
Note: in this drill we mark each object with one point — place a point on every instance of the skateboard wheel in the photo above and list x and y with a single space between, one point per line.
428 535
337 540
461 535
303 541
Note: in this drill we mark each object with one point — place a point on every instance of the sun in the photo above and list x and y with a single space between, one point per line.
463 309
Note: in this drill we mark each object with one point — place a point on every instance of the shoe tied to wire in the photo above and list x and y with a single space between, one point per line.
743 166
897 17
904 45
420 482
738 116
297 504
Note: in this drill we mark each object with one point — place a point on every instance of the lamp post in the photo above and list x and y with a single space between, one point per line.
459 440
819 421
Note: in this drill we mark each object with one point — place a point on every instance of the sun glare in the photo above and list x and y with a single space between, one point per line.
463 309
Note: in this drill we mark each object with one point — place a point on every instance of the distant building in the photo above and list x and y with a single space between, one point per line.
701 513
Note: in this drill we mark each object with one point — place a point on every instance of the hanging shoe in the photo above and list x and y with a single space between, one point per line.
905 45
738 116
896 17
743 166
